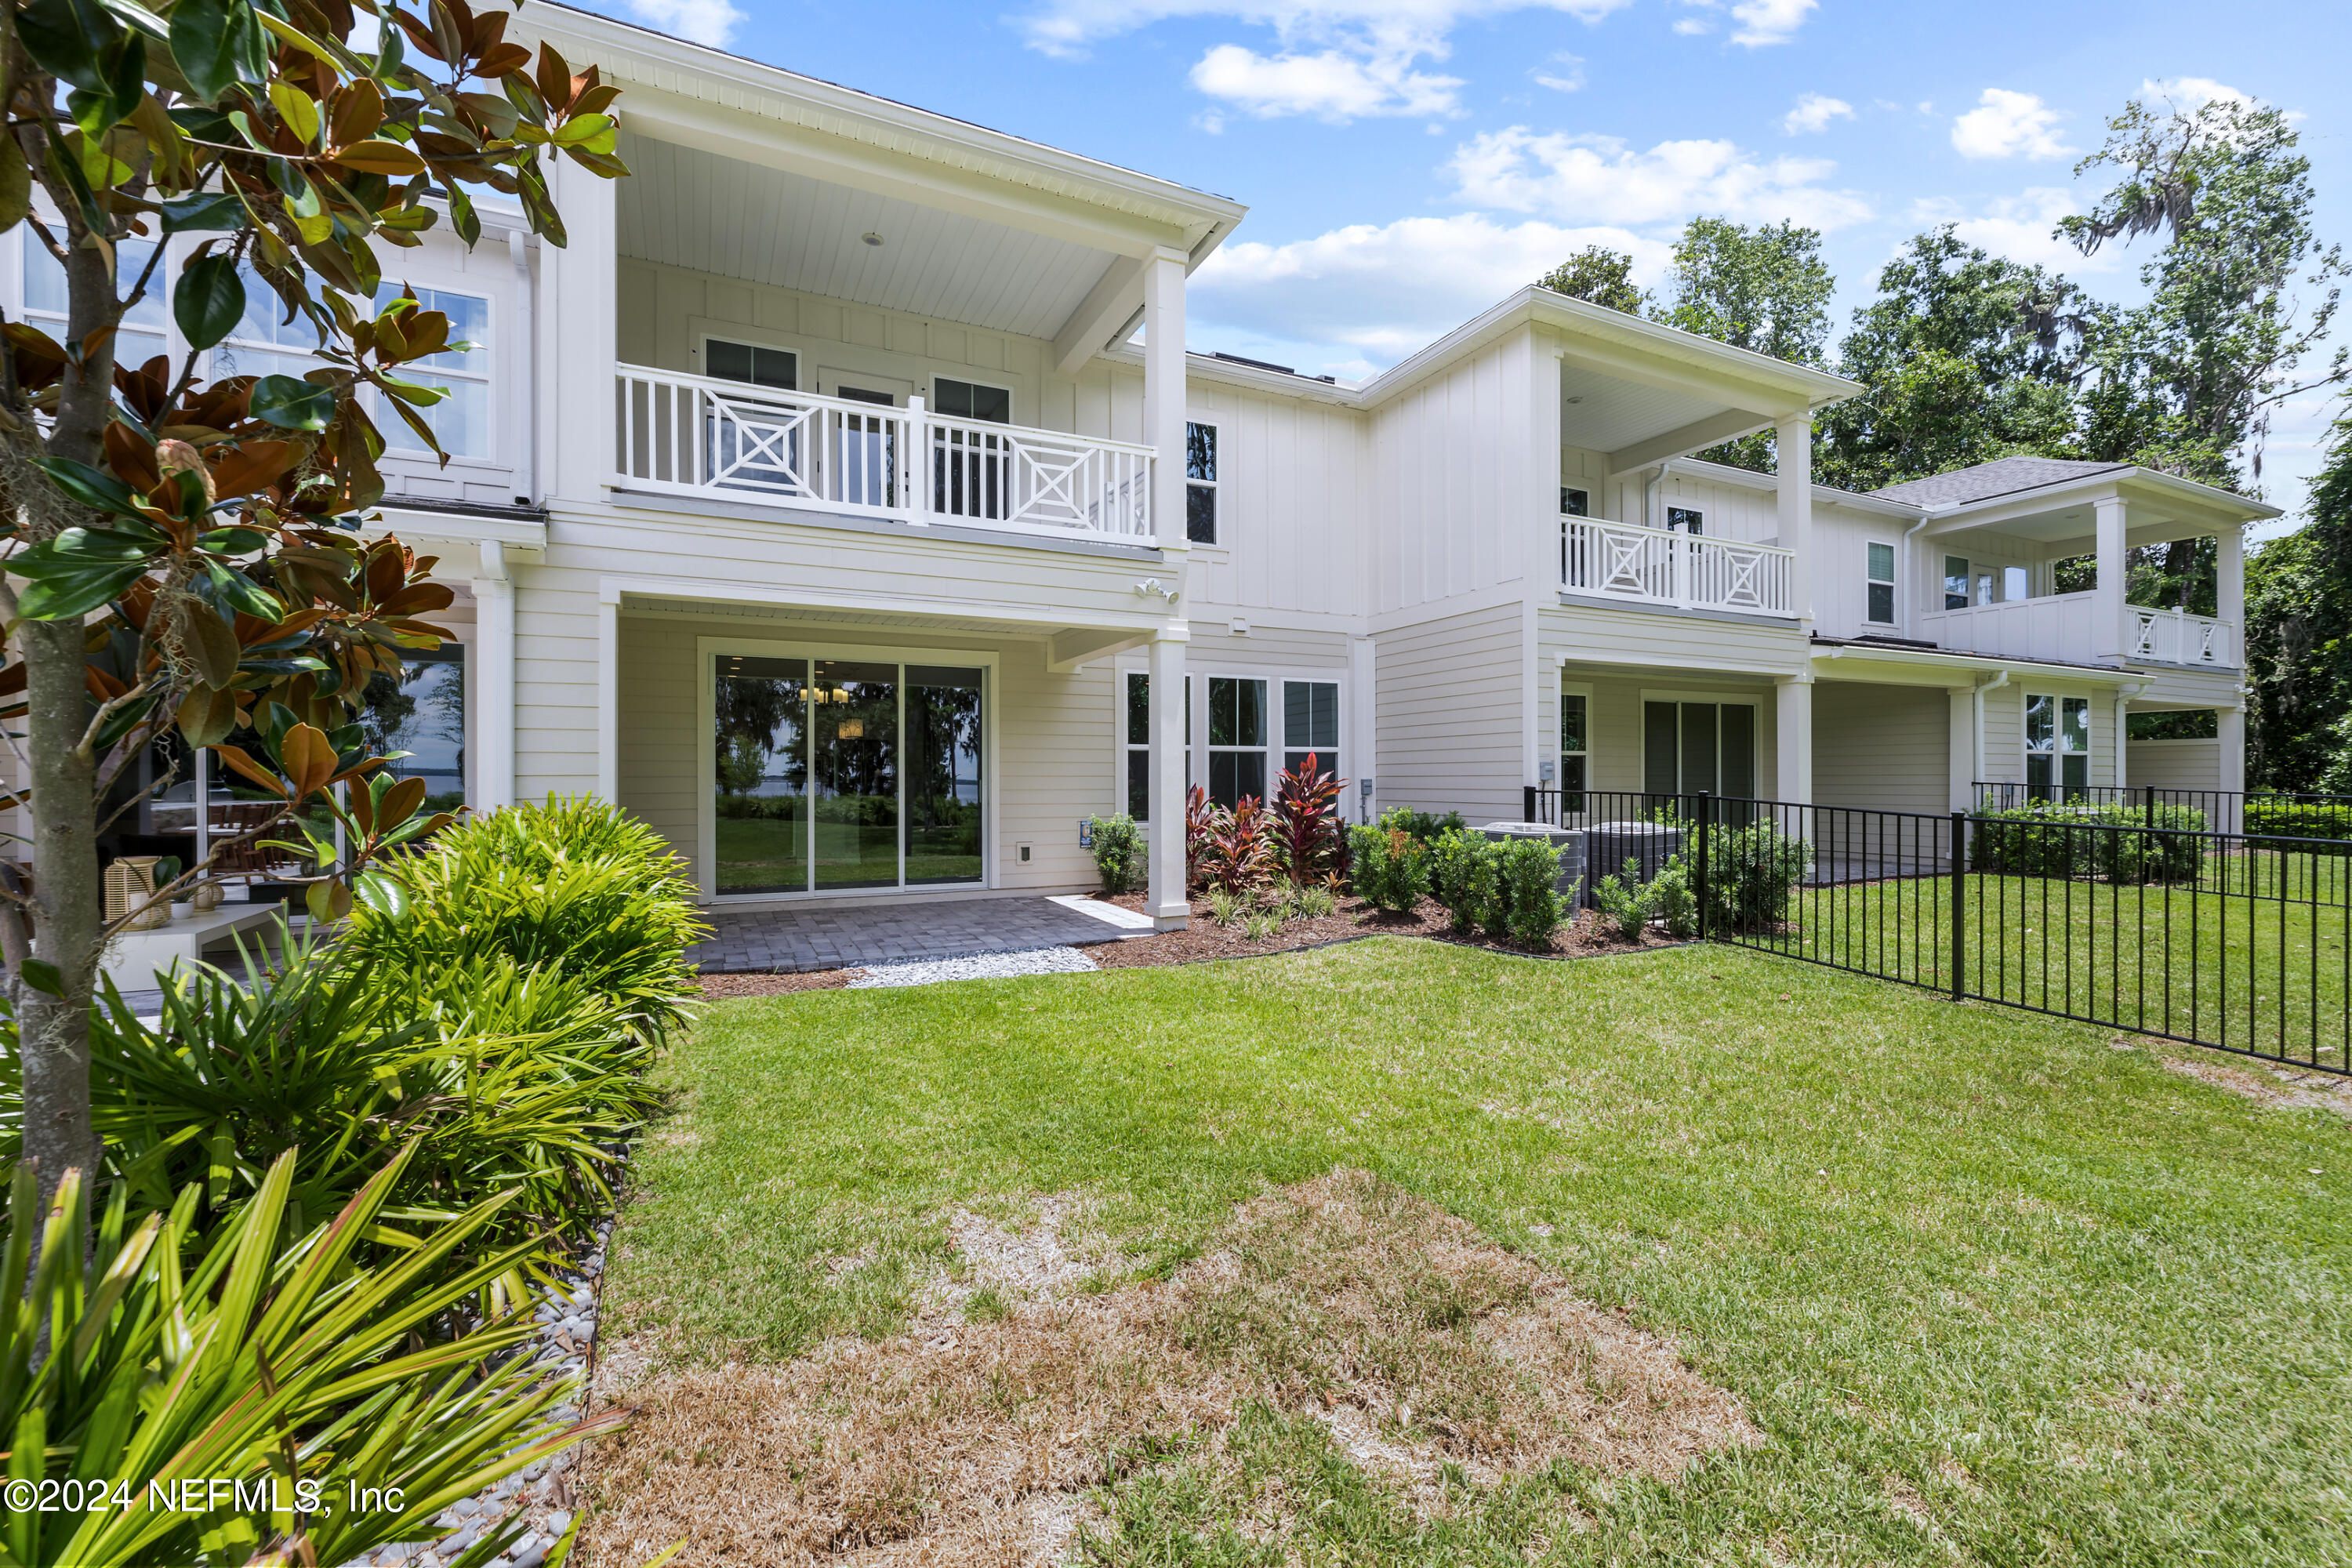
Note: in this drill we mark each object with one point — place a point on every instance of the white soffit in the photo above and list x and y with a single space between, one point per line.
1616 414
689 208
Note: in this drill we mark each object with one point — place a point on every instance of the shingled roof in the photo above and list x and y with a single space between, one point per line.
2002 476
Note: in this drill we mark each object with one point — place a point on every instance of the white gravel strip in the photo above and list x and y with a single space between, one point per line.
978 966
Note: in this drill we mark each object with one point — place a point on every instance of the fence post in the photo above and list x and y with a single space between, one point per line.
1705 822
2149 812
1960 905
1527 803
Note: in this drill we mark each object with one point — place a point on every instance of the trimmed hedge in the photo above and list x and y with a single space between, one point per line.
2122 842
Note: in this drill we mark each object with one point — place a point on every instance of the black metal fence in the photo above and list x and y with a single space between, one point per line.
2255 813
2131 912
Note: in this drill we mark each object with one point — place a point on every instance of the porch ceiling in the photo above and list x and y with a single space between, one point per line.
691 208
1625 419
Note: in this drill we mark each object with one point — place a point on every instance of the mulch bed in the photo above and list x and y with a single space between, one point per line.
1586 936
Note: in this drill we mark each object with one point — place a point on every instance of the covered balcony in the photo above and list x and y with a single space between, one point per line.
1680 570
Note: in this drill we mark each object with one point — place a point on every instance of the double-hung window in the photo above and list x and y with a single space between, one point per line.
142 335
1236 738
1687 747
461 420
1956 582
970 400
1575 720
1311 725
2057 746
263 342
1685 519
1200 483
1881 586
1139 743
1574 502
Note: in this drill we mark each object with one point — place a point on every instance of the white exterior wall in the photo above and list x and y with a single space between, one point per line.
2174 764
1292 491
2004 727
1460 476
1885 747
1451 697
1614 700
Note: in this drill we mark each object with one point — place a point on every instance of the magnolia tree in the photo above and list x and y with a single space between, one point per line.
184 553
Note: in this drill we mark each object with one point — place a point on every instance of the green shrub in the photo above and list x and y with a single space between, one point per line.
1528 892
1676 901
2299 819
2121 842
1122 854
1751 873
1390 866
1462 876
576 884
221 1350
1426 827
1624 901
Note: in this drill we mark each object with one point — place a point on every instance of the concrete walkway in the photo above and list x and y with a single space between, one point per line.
788 941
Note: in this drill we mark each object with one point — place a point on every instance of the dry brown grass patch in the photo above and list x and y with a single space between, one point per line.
1412 1338
2269 1085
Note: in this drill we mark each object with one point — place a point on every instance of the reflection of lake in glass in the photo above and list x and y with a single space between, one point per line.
423 712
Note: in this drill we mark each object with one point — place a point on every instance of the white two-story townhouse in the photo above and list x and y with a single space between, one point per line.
843 500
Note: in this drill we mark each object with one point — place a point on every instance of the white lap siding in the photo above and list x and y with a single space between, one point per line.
1451 710
1883 747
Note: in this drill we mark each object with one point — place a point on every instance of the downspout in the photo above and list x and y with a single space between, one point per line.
1650 483
1908 535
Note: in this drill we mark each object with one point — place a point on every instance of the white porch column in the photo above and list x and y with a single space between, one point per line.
491 743
579 286
2229 588
1794 460
2231 724
1163 392
1792 779
1360 743
608 696
2124 695
1960 756
1170 906
2107 604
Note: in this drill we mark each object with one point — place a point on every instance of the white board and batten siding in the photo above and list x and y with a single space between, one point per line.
1463 468
1293 495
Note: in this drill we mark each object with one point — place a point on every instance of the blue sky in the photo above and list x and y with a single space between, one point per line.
1408 162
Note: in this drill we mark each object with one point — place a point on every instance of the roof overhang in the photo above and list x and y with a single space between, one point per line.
1824 495
1951 667
2167 507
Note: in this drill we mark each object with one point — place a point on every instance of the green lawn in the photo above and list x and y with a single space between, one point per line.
2255 956
2085 1310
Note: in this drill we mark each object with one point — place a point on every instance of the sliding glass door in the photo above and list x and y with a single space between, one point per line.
834 775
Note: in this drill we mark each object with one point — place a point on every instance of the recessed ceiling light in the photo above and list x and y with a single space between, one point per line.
873 239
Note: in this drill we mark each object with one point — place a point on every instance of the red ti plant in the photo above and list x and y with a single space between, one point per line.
1200 826
1240 854
1309 841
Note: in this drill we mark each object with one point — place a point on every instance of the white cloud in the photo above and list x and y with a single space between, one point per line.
1561 73
1814 114
2021 227
2191 92
1769 21
1600 179
1068 27
2006 124
712 22
1331 84
1384 292
1694 27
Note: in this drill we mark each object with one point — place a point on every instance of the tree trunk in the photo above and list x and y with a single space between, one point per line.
67 914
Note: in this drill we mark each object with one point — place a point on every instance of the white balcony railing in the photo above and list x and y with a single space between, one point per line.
1648 565
690 435
2175 636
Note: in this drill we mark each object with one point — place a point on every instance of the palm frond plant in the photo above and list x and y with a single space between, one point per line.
249 1352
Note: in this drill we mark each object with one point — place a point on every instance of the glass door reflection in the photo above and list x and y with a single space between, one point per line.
944 789
854 768
763 775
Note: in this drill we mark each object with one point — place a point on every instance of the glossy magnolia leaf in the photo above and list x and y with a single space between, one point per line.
43 977
217 44
210 642
292 404
207 717
75 40
184 215
15 185
234 540
209 301
92 487
328 900
70 594
297 109
244 594
382 895
377 157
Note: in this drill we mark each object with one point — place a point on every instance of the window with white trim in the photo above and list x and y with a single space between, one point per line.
1956 582
145 326
1139 743
1311 725
1687 747
749 363
1237 738
1575 742
461 420
1880 609
2057 746
1200 483
1685 519
971 400
1574 502
263 342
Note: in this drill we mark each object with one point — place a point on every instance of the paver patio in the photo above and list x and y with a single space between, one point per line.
791 941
